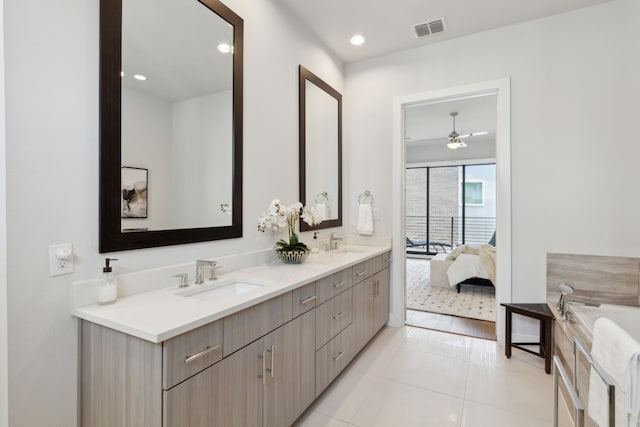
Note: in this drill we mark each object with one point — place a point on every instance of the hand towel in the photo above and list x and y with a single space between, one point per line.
618 354
365 219
321 211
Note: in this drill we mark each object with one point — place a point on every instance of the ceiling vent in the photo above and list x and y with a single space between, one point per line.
429 28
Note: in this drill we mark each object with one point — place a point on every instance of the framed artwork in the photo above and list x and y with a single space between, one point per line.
134 182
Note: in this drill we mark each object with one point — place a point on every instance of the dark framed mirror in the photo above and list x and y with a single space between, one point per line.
171 82
320 126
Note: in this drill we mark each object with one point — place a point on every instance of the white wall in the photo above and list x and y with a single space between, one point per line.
52 175
574 93
202 160
146 132
4 404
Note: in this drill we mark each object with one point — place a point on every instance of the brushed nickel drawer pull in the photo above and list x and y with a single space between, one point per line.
340 283
361 273
337 316
207 350
273 357
377 288
264 367
308 299
338 356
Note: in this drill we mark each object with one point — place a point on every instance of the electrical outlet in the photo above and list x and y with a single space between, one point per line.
60 259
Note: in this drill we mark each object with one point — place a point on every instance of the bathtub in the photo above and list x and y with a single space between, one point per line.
626 317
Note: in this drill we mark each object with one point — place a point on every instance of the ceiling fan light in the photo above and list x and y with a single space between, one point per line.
454 144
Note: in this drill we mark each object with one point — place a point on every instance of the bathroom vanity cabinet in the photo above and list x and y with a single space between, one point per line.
261 366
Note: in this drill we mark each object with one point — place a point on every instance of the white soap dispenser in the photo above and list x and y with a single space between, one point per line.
107 284
315 249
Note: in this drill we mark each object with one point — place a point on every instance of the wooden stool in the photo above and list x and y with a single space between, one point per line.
535 311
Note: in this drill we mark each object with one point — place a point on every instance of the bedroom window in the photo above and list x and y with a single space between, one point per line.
474 193
436 217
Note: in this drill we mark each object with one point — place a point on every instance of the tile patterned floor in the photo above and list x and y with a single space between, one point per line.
474 302
416 377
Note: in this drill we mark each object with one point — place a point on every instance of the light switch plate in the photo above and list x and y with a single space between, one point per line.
60 259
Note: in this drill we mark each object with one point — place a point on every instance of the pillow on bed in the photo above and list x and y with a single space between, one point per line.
465 267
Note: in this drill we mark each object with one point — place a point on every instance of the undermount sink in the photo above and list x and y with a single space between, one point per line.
218 291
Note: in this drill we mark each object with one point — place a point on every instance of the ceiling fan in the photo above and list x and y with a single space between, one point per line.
455 139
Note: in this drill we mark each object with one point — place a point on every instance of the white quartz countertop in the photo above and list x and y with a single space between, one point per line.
161 314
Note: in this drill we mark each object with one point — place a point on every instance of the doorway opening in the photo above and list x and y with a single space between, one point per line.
463 200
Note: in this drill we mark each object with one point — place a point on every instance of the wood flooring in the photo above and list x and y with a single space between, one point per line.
453 324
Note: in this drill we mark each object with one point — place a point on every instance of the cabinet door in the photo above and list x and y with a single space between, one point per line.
290 383
363 296
381 300
197 402
243 387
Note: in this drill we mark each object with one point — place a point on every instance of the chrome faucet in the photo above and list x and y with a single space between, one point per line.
184 279
565 290
333 241
200 265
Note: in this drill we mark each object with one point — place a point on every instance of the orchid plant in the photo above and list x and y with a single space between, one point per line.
279 216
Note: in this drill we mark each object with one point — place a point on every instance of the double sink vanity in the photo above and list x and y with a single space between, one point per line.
256 346
253 348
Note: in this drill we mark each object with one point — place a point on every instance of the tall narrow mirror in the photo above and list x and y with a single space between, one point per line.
320 124
171 123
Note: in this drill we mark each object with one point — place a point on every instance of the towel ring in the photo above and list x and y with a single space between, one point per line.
322 198
365 198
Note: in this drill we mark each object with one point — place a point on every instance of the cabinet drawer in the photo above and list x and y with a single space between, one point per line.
190 353
331 286
250 324
304 299
333 358
333 316
370 267
363 270
385 261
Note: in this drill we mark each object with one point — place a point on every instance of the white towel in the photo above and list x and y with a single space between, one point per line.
618 354
321 211
365 219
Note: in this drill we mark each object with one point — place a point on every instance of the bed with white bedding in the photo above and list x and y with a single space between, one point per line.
465 264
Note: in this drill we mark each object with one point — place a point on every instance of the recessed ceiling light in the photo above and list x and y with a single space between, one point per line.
139 77
358 39
224 47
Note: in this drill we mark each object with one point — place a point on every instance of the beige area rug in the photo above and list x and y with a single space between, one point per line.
473 302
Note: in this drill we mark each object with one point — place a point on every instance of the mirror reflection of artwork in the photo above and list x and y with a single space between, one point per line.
134 192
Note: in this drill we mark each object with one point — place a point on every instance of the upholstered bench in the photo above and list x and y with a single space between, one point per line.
438 270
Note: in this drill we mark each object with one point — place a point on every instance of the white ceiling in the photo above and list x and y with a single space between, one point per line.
388 24
430 124
175 45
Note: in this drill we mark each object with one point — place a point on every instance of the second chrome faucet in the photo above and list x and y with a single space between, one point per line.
200 265
333 241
